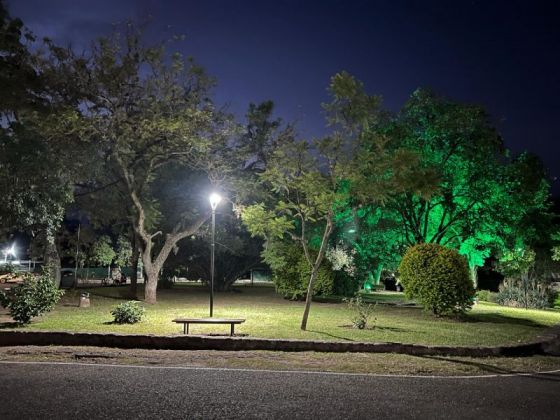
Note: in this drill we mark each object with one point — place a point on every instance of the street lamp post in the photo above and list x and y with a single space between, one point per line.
214 201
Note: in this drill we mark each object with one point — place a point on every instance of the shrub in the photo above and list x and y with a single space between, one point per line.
128 313
487 296
438 278
35 296
7 268
345 285
362 312
514 293
292 278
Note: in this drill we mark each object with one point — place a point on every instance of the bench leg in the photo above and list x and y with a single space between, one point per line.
187 324
232 328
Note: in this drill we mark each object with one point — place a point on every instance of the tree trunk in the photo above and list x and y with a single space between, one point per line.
309 296
377 276
474 275
52 260
134 261
150 285
315 269
153 269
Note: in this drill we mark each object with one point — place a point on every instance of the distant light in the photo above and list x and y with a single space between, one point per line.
352 230
10 251
215 199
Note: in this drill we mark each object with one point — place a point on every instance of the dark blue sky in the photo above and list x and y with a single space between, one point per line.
504 55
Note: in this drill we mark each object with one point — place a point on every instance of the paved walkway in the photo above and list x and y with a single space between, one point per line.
69 391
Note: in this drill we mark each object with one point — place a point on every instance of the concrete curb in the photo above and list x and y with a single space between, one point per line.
549 344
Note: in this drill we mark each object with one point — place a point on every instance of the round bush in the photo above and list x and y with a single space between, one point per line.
128 313
438 278
35 296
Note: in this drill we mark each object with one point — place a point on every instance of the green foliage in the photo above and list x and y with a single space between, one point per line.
516 262
362 312
518 293
102 251
438 278
33 297
556 253
484 199
145 110
265 223
7 268
346 285
124 251
291 273
487 296
128 313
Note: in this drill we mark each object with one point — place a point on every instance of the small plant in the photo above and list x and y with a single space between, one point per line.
35 296
362 312
128 313
487 296
519 294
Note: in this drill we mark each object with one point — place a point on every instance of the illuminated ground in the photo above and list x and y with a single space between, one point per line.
268 315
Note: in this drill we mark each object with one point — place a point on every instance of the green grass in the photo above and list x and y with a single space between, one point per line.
385 297
270 316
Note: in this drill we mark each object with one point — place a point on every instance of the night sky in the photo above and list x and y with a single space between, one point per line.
502 55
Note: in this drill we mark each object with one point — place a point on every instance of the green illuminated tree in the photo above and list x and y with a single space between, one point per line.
483 197
309 182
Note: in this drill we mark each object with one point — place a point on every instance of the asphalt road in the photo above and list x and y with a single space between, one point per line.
80 391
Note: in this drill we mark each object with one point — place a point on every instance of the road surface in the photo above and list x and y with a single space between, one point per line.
82 391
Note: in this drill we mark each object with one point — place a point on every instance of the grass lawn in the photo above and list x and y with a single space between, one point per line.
270 316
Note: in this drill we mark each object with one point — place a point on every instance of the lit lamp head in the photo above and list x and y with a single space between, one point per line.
215 199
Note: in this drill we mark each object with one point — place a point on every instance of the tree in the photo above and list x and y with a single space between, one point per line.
102 253
376 235
144 110
36 173
483 197
307 180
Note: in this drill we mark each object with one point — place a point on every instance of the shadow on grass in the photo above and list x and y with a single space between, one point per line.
553 377
393 329
123 294
482 366
375 328
501 319
9 325
330 335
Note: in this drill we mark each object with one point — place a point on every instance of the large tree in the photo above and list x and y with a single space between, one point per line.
483 195
144 110
36 172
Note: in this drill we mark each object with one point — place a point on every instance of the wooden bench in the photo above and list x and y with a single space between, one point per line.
187 321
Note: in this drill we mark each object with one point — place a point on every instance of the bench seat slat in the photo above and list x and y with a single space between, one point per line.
208 321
